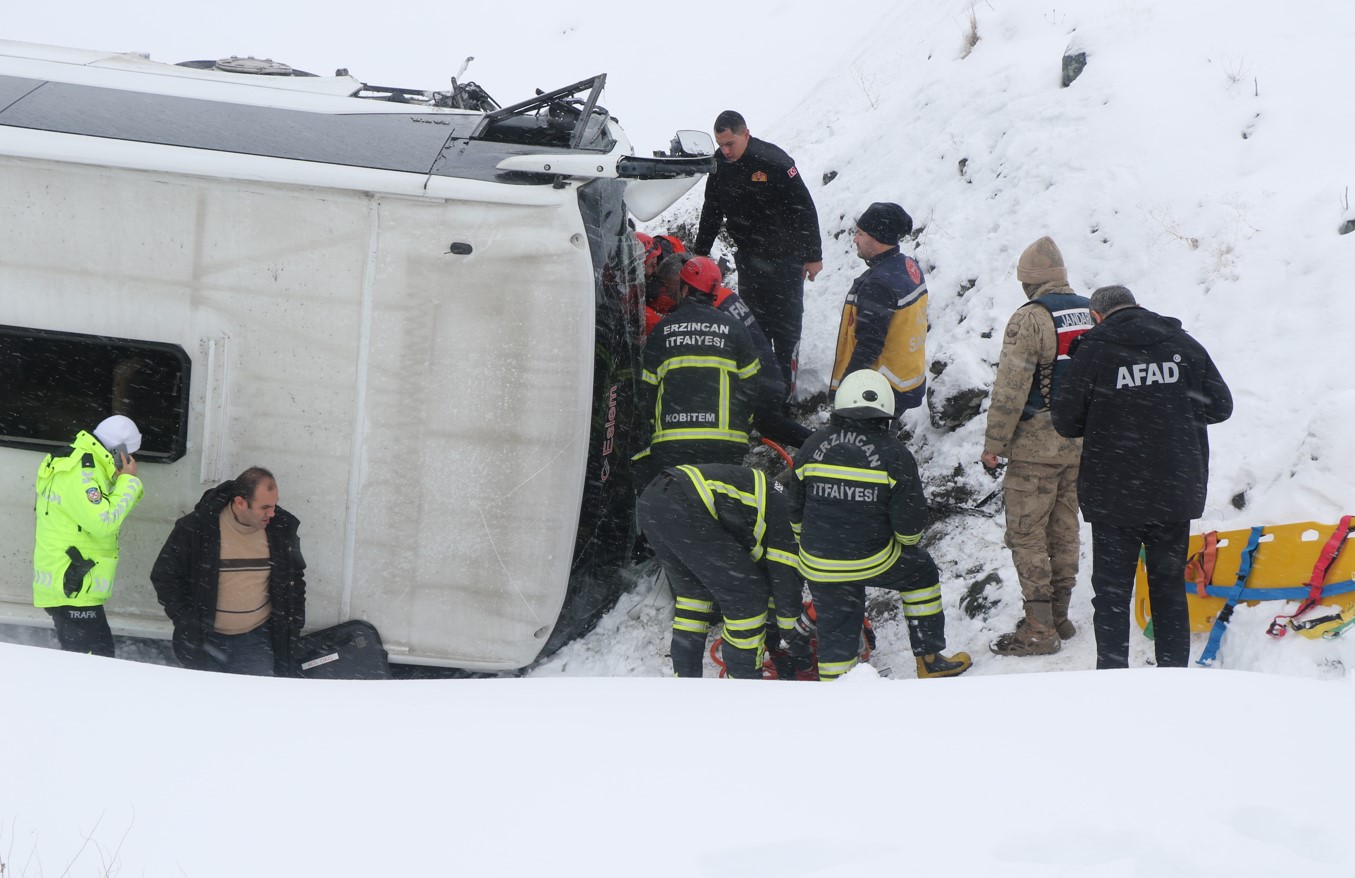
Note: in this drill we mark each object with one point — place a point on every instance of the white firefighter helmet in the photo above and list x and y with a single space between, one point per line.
865 389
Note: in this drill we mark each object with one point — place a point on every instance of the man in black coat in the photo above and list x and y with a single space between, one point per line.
1140 392
231 578
757 193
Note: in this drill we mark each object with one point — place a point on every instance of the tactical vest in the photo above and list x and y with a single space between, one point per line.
1072 316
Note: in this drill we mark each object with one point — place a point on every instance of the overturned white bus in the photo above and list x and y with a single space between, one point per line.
415 307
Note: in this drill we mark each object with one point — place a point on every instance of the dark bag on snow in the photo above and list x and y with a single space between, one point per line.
349 651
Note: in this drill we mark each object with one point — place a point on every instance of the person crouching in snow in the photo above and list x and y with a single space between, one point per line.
722 534
856 504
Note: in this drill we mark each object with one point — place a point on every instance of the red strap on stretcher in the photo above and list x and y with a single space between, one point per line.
1200 566
1325 559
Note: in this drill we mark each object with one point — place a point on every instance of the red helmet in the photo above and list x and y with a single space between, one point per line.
646 241
702 274
662 246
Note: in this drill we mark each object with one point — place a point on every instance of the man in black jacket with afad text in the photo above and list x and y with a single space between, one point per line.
231 578
1140 391
757 193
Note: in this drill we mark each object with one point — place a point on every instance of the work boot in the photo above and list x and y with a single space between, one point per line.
1062 623
1034 635
941 665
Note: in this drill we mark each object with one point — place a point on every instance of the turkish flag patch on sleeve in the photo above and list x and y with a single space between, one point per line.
792 172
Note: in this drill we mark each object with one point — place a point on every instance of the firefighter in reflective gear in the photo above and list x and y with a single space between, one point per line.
722 534
1040 487
83 500
769 415
699 383
856 504
884 318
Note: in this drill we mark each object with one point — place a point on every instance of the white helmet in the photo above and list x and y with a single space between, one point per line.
118 430
865 389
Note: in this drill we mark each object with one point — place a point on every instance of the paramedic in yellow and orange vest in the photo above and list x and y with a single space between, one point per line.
84 498
884 319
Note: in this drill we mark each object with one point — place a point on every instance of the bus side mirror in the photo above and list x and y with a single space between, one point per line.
689 142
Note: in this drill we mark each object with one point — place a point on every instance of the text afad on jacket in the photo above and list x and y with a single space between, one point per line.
1143 374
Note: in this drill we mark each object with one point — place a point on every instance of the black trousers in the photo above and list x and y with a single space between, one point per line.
83 629
704 565
1115 555
840 608
774 290
685 451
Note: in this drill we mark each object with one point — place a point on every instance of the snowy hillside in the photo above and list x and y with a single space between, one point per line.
1202 159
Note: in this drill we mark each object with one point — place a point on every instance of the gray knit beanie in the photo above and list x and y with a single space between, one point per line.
1041 263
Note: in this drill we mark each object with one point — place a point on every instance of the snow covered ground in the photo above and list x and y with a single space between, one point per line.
117 768
1202 159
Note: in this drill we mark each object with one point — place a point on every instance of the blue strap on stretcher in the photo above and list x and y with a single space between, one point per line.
1211 649
1279 593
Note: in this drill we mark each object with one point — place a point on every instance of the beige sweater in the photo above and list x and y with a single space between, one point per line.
242 602
1028 340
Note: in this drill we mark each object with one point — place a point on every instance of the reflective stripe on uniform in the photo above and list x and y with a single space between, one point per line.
690 614
696 626
922 601
833 670
846 473
818 569
780 556
908 539
755 624
706 488
722 431
724 363
693 433
901 384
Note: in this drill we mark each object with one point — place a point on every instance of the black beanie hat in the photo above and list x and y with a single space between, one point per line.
886 222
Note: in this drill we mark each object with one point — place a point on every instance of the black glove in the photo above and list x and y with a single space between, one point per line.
798 637
79 568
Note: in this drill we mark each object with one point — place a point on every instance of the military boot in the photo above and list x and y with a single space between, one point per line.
1034 635
941 665
1062 623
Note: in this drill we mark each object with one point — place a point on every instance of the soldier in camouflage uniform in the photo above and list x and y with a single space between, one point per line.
1041 482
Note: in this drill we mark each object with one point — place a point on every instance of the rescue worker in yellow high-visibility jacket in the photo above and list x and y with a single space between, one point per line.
884 317
83 500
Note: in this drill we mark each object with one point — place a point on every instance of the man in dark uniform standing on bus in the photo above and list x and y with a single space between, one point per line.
757 193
